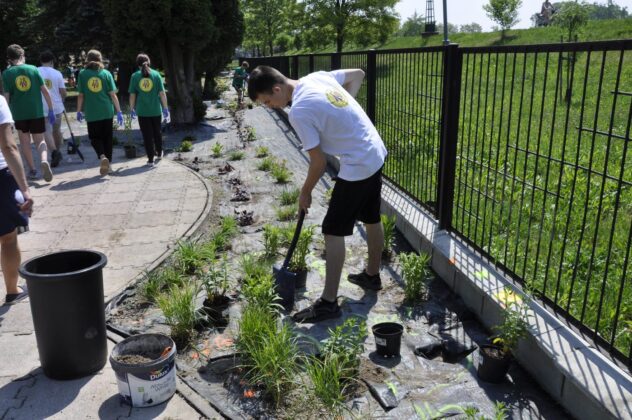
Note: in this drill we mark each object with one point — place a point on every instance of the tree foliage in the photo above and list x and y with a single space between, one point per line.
503 12
471 28
571 17
413 26
265 20
607 11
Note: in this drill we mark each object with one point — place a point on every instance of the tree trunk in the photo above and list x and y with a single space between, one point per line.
124 76
178 61
339 41
209 85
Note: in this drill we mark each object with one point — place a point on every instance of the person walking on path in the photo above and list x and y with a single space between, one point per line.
16 206
147 93
24 88
328 120
97 91
54 81
239 80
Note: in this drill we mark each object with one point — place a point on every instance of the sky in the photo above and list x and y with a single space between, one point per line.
467 11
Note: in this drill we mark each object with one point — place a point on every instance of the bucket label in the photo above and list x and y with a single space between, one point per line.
380 341
151 388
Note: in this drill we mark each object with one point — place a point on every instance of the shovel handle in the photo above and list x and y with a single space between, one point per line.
297 234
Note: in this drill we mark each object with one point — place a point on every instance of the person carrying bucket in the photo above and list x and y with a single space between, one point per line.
328 120
240 76
146 94
16 206
97 92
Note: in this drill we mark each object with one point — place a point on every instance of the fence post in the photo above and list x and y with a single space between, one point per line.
452 61
311 63
336 61
295 67
370 85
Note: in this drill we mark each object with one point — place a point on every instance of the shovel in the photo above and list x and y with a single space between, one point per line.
284 279
73 147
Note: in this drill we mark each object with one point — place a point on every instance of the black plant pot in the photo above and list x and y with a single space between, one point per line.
388 338
130 151
301 279
217 310
494 364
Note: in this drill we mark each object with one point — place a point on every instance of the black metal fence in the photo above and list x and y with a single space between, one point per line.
523 152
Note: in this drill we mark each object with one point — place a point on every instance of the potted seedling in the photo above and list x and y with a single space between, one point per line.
215 283
129 146
496 357
298 263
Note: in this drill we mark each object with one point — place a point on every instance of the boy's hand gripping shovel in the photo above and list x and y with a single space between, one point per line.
284 279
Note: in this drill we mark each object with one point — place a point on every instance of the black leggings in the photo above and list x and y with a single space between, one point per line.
100 134
152 136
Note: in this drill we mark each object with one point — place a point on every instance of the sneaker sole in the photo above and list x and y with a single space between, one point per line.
104 167
47 174
319 318
363 285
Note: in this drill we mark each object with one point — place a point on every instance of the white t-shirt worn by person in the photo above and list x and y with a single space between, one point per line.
324 114
5 118
54 80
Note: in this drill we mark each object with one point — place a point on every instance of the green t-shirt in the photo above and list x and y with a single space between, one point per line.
147 90
238 77
23 83
96 87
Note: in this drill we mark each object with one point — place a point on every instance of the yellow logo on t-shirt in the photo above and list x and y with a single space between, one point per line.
23 83
337 98
49 83
145 84
95 85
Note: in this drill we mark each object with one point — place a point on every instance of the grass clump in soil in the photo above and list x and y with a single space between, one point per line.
217 150
388 224
236 155
287 213
227 231
266 164
158 281
416 273
281 173
289 197
251 134
262 152
272 238
178 306
190 256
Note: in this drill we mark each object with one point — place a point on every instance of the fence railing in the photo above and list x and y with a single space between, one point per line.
523 152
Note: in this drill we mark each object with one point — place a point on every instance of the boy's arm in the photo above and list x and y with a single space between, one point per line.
317 164
14 161
353 80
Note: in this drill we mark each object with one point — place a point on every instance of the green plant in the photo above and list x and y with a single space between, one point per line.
236 155
261 152
259 290
253 267
251 134
500 411
215 280
189 256
152 285
347 341
228 229
388 224
185 146
298 261
515 325
327 376
327 196
415 272
178 306
286 213
289 197
271 240
217 150
280 172
266 164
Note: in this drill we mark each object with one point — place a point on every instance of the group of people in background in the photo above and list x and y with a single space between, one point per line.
33 104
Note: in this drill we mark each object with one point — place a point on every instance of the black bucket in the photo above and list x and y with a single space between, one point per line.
284 279
66 296
388 338
492 369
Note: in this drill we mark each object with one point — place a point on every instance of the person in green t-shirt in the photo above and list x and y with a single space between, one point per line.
147 93
97 92
24 88
240 75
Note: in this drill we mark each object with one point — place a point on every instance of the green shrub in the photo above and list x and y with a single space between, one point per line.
178 306
228 229
289 197
217 150
189 256
280 172
260 291
215 280
415 272
388 224
253 267
185 146
236 155
266 164
299 258
262 152
271 240
286 213
251 134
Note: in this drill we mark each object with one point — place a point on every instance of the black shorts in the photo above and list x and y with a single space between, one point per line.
352 201
33 126
10 216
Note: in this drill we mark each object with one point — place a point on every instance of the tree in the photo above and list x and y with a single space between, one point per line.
452 28
571 17
182 31
265 21
347 18
607 11
471 28
503 12
413 26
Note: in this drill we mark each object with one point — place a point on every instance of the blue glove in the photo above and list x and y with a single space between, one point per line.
79 116
133 114
51 117
165 113
119 118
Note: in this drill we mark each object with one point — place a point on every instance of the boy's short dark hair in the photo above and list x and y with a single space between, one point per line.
262 80
15 52
47 57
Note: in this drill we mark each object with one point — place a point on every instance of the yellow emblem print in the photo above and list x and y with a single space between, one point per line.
145 84
95 85
48 83
337 98
23 83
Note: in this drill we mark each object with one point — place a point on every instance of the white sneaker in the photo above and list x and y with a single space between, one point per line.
47 174
104 166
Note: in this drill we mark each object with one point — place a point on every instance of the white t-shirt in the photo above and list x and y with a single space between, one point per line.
54 80
5 117
324 113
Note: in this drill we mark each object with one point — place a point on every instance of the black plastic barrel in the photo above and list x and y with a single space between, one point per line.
67 304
